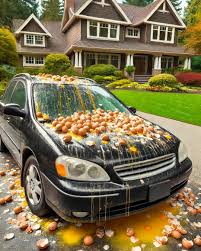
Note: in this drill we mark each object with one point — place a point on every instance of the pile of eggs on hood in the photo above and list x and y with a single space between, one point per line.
103 123
56 78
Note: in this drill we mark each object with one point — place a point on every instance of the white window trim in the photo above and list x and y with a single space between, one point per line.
96 58
158 38
34 44
34 64
98 31
127 35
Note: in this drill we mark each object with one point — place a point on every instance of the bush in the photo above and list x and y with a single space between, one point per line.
119 74
163 79
189 78
30 70
130 69
100 69
119 83
8 53
5 74
71 72
57 64
99 79
196 63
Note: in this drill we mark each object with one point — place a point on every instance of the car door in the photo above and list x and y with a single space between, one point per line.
4 118
14 123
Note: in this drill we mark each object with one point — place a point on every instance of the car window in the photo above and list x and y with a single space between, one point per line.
19 95
8 92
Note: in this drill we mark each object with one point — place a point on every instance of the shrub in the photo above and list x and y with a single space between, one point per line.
163 79
8 53
71 72
30 70
57 64
100 69
99 79
119 74
119 83
196 63
189 78
130 69
5 74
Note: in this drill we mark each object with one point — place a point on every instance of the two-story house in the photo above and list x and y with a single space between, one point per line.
107 32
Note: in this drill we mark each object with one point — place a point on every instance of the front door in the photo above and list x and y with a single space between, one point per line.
141 64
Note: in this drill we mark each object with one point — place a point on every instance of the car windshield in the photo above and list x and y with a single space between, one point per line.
65 99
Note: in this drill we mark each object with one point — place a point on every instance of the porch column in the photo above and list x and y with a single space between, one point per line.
159 63
155 63
128 60
80 59
76 59
131 61
189 64
186 64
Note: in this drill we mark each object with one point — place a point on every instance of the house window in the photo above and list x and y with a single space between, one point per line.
102 58
33 61
162 34
167 62
100 30
132 32
34 40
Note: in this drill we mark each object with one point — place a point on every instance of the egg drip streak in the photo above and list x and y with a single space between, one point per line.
80 98
91 96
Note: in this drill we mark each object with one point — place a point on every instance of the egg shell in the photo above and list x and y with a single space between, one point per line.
130 232
64 129
17 210
82 132
187 244
88 240
54 123
8 198
58 127
52 226
176 234
74 129
67 138
105 137
39 115
2 201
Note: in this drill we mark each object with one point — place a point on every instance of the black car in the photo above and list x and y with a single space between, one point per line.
83 153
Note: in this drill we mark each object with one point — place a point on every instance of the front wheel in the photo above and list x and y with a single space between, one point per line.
33 186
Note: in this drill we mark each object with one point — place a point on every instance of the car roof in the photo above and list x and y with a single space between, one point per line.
56 79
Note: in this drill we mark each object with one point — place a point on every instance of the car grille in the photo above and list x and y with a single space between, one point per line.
146 168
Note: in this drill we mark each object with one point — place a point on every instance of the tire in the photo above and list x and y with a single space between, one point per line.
34 190
2 146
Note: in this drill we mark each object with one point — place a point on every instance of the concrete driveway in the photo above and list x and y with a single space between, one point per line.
189 134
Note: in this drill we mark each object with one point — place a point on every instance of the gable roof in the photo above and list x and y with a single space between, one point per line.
32 16
139 15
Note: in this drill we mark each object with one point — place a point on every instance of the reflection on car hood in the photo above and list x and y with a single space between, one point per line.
106 153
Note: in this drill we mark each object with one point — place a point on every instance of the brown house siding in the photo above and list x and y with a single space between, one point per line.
73 34
32 26
165 17
108 12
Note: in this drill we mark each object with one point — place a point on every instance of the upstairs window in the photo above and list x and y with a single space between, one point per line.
132 32
162 34
104 31
34 40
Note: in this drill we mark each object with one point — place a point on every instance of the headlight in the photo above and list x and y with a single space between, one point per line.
80 170
183 154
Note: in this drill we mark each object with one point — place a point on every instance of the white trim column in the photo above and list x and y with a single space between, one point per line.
186 63
159 63
131 60
155 63
80 59
76 59
128 60
189 64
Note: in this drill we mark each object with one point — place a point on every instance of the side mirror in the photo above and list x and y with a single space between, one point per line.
132 109
14 110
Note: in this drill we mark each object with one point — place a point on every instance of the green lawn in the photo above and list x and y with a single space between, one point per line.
183 107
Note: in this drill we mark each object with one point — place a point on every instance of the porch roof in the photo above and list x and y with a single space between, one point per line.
129 47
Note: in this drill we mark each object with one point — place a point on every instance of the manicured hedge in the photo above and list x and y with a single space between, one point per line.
189 78
163 79
100 69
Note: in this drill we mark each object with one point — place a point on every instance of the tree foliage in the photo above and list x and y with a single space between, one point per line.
57 64
52 10
8 54
192 37
10 9
192 13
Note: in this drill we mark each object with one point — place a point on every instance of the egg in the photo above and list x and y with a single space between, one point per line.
122 142
105 137
86 128
176 234
134 130
130 232
102 128
54 123
58 127
64 129
67 138
187 244
17 209
60 118
139 129
2 201
82 132
197 240
39 115
97 131
74 129
52 226
8 198
68 124
181 230
88 240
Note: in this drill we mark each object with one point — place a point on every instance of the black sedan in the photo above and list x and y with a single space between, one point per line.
83 153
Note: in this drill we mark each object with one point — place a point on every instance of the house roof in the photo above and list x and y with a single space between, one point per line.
56 43
129 46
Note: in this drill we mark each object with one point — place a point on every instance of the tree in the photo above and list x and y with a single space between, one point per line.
52 10
8 54
177 5
192 13
16 9
192 37
57 64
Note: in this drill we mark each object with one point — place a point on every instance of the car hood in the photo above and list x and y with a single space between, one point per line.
109 153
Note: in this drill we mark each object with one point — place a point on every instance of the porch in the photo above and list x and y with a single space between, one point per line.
146 65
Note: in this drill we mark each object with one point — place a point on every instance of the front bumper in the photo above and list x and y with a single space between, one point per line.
120 200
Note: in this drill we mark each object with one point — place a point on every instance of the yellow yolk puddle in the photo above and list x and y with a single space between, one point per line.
147 225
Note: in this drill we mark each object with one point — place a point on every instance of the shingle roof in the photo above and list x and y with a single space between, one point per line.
126 46
55 44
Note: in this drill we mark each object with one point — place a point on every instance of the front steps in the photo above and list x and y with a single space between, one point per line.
142 78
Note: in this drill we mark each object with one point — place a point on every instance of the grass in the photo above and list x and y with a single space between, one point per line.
178 106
